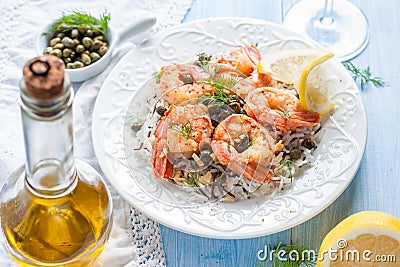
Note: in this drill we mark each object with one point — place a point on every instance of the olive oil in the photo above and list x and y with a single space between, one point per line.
54 210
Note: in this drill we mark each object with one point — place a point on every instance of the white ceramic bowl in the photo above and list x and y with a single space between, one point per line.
114 40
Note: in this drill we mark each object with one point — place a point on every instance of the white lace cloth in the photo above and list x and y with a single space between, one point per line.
135 239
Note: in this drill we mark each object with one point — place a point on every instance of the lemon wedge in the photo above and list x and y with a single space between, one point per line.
367 238
302 68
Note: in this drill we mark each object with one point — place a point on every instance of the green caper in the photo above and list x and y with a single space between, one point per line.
86 52
54 41
68 42
60 35
59 46
100 38
96 45
82 30
74 33
67 52
76 42
47 50
103 50
61 26
56 52
79 48
94 56
67 60
73 55
87 42
86 59
78 64
96 33
89 33
70 65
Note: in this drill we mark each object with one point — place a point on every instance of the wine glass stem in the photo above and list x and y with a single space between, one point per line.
327 17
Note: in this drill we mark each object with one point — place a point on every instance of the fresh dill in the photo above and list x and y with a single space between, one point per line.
193 179
204 58
218 98
183 129
364 76
288 255
283 112
80 20
251 142
157 75
222 82
289 166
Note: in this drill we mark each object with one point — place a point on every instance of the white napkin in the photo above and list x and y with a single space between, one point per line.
21 21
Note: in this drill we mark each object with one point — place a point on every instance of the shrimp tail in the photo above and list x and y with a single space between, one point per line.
161 165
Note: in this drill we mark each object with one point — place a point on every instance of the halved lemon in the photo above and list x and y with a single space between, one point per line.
302 68
364 239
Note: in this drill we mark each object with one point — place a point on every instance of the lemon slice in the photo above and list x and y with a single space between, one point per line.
312 92
301 67
367 238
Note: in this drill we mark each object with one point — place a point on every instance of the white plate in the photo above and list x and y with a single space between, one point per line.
337 157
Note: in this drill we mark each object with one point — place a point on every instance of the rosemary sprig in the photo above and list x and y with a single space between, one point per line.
364 76
81 19
283 112
183 129
277 259
193 179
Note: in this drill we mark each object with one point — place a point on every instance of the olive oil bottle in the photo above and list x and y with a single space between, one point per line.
54 210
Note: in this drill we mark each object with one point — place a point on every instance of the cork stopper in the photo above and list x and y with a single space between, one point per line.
44 77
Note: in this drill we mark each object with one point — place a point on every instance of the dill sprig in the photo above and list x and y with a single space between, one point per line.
80 19
289 166
193 179
251 142
222 82
283 112
218 98
278 259
183 129
157 74
203 58
364 76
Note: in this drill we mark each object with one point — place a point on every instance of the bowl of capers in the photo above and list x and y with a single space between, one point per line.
85 43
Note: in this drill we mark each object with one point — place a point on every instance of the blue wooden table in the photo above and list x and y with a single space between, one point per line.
377 183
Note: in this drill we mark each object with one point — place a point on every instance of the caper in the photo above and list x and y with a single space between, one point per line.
67 60
94 56
74 33
187 79
295 154
61 26
54 41
78 64
67 52
100 38
76 42
89 33
73 55
236 107
243 144
309 143
96 33
59 46
87 42
60 35
70 65
47 50
96 45
161 110
86 52
68 42
79 48
103 50
56 52
86 59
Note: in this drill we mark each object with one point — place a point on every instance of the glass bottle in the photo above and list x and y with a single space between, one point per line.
54 210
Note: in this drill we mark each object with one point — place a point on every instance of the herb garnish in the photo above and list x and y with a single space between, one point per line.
193 179
364 76
157 74
289 165
304 256
219 98
283 112
183 129
203 58
78 20
251 142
